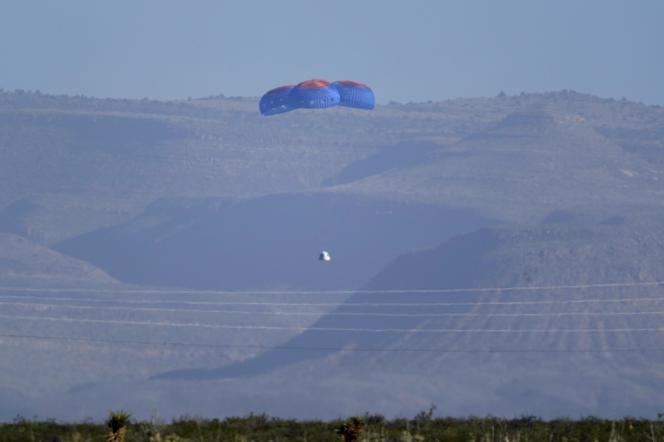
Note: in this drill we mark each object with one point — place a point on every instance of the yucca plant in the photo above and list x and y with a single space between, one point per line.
351 430
117 422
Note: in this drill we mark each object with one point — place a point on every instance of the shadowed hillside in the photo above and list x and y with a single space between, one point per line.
268 242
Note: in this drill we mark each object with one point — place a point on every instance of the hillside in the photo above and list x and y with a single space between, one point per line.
104 161
550 156
23 262
185 193
499 345
84 163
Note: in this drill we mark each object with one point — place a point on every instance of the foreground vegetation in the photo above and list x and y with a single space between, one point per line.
368 428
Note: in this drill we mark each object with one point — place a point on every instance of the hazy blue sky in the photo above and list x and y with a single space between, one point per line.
407 50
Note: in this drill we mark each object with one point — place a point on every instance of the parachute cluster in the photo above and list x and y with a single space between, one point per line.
317 94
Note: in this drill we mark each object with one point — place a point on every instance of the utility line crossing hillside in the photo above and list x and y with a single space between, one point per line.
44 299
43 306
345 304
338 292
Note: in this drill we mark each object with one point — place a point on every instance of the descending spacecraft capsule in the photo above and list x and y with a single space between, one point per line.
324 256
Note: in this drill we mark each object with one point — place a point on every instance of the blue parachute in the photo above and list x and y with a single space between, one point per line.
314 94
354 94
276 101
317 94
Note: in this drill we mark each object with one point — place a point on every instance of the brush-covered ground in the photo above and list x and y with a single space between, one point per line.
423 427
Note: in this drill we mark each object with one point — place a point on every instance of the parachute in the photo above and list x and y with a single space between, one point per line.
276 101
314 94
317 94
354 94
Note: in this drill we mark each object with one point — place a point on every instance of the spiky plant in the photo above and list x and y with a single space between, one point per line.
117 422
351 430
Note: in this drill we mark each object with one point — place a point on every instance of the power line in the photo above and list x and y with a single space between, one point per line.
337 291
312 348
346 304
329 329
317 314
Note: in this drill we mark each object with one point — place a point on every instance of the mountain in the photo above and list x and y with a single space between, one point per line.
551 346
86 163
440 169
125 223
555 154
83 164
24 262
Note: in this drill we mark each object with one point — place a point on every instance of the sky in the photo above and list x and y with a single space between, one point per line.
416 50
